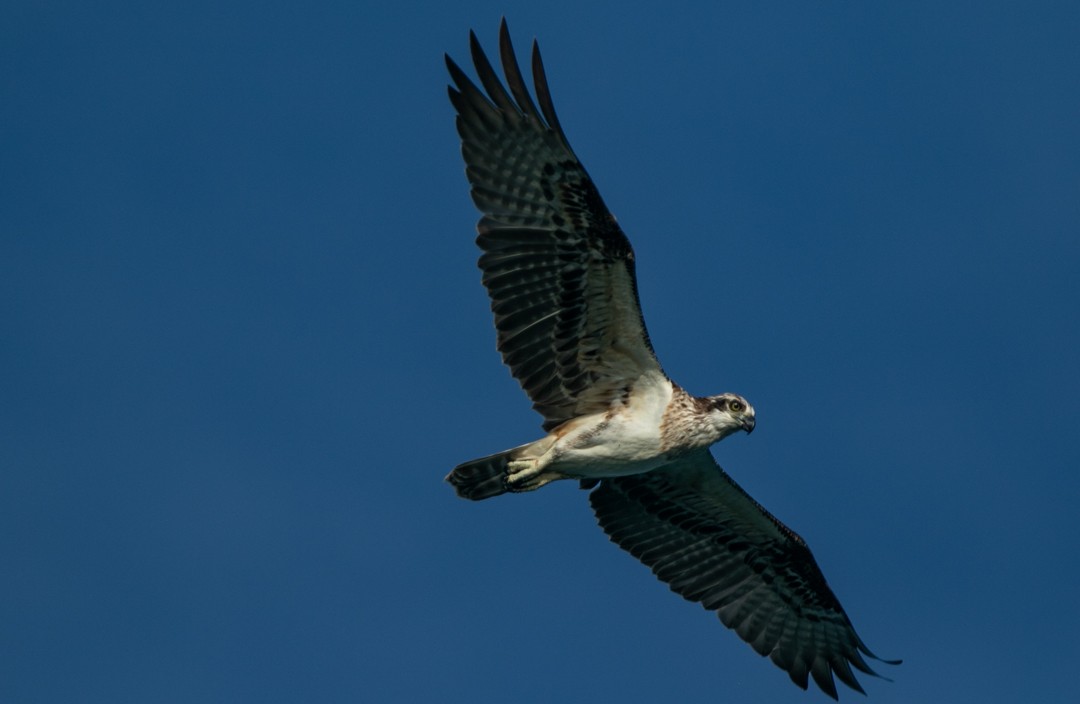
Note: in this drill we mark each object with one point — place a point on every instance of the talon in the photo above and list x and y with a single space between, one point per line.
535 482
521 471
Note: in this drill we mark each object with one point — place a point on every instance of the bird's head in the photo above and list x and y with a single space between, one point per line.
731 412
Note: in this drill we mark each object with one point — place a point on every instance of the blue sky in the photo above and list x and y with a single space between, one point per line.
245 338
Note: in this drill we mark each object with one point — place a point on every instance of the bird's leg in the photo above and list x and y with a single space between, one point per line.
523 470
533 482
528 470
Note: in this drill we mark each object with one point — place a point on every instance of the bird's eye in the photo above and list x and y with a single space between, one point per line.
737 406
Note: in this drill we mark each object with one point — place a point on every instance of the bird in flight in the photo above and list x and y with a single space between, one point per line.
560 274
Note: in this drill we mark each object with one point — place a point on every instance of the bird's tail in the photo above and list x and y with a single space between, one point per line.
482 478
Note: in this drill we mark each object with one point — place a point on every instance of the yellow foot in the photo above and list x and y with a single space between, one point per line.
527 475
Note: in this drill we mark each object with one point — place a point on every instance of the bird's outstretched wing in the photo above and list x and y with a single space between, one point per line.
559 270
713 544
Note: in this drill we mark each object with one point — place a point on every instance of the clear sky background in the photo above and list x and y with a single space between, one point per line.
244 337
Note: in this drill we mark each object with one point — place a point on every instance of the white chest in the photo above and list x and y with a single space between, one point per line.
626 440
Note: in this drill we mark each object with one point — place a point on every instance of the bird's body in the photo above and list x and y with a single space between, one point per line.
651 424
626 439
560 273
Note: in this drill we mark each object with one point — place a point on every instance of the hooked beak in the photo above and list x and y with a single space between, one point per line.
748 424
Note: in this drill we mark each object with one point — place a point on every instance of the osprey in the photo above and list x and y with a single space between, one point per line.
560 274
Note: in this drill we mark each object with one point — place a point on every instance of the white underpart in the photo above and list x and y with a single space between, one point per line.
620 442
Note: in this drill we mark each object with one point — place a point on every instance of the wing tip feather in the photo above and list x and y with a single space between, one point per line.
622 503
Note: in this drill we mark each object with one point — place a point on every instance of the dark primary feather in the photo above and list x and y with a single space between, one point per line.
558 269
713 544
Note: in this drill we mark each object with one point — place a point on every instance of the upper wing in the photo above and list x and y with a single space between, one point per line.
559 270
712 543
